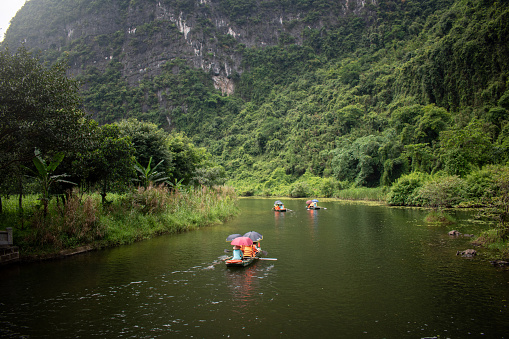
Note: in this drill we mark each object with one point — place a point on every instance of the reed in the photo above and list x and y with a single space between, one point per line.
140 214
362 193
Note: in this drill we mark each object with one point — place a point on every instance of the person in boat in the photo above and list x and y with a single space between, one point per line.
276 207
237 253
249 251
256 247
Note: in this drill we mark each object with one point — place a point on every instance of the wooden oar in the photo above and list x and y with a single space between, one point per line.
265 258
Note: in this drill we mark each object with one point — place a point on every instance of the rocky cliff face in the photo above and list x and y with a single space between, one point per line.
144 34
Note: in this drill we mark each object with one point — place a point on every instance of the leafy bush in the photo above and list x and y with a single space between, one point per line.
299 190
481 183
327 188
439 217
406 189
442 192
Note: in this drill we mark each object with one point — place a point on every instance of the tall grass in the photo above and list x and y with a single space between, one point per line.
140 214
362 193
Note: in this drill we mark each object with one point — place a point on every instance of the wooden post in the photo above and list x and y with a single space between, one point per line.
10 239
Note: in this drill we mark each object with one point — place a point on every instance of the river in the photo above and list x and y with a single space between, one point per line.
348 271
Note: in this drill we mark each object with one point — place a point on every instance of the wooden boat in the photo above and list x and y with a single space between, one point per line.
248 258
279 206
241 262
311 205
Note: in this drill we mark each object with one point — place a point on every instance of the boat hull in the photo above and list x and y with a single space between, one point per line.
241 262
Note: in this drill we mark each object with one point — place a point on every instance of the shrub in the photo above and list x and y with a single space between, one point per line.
405 189
299 190
327 187
441 192
439 217
481 183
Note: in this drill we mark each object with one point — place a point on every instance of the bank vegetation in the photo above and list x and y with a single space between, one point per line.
84 221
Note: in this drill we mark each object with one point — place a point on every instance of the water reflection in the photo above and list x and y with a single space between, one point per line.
240 282
312 220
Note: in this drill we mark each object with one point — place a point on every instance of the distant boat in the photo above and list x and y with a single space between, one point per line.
311 204
279 206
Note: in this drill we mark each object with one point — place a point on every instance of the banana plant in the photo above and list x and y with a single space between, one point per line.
148 175
177 186
45 177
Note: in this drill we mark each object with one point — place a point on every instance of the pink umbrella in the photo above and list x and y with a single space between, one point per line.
242 241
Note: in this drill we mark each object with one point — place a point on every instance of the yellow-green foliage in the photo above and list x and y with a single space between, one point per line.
140 214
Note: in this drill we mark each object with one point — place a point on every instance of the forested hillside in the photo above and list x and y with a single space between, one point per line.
288 93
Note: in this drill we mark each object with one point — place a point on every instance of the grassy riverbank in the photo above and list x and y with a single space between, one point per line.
140 214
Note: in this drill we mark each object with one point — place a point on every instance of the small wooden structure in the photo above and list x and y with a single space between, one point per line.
8 252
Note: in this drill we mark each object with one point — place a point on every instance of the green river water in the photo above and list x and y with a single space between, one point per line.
348 271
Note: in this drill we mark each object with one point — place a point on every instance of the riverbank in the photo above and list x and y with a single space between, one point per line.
83 223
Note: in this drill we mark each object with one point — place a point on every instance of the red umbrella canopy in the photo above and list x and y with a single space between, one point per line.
242 241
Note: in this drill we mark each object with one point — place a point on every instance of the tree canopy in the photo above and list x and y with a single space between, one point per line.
39 108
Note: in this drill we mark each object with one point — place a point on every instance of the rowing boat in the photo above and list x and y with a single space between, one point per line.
241 262
279 206
246 249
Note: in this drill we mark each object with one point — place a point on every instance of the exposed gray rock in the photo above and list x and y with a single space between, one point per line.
144 35
470 253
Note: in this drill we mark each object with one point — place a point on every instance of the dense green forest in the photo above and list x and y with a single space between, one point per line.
405 86
408 95
424 87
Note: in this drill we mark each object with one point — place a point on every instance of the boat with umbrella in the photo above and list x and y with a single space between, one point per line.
279 206
245 252
312 204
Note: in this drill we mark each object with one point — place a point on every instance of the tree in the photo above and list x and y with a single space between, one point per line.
431 123
368 159
108 160
149 141
39 108
464 148
187 158
210 176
